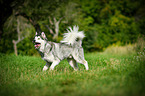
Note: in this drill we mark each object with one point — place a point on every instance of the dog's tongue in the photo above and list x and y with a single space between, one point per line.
37 45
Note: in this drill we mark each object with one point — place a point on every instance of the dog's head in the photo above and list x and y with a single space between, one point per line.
39 40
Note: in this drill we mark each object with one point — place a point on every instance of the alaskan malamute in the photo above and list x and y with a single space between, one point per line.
70 48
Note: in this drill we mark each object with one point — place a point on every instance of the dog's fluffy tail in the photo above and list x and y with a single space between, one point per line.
73 36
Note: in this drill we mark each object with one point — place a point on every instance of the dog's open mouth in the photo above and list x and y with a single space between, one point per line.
37 45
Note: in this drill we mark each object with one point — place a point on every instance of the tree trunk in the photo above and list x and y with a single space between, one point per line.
15 47
15 42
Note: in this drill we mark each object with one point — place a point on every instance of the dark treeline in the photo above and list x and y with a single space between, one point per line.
105 22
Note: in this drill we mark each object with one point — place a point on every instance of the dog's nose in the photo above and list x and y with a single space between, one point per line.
33 41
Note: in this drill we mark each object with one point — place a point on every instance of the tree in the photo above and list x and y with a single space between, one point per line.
15 42
104 22
21 29
55 24
33 22
64 14
6 11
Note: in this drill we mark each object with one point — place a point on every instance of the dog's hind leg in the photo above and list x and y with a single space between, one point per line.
56 62
73 63
46 66
83 62
78 55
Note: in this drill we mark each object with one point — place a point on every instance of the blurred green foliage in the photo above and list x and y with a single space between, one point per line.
105 22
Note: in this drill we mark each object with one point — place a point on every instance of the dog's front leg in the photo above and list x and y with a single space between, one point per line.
46 66
54 64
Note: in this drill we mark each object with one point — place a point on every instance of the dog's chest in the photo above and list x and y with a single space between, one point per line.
48 57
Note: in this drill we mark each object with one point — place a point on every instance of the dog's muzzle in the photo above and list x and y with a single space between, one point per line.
36 45
33 41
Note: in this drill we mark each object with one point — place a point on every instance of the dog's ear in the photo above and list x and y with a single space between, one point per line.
43 35
36 33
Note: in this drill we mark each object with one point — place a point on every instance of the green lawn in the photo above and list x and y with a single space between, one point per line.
109 75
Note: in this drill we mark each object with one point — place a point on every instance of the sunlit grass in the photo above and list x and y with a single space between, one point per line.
121 50
108 75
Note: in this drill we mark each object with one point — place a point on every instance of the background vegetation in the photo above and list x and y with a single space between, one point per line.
115 27
105 22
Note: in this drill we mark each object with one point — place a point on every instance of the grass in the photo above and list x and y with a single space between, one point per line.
109 75
121 50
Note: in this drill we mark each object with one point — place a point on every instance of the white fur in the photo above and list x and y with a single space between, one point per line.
36 33
43 35
39 40
53 53
45 68
72 35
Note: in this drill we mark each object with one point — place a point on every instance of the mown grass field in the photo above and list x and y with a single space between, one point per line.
109 75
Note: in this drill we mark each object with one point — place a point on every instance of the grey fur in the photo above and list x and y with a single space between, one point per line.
53 53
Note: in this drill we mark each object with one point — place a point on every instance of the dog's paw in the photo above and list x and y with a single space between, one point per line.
45 68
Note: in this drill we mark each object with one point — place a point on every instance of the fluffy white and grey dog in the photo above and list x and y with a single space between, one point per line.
70 48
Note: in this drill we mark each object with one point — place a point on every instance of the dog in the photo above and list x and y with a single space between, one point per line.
69 48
